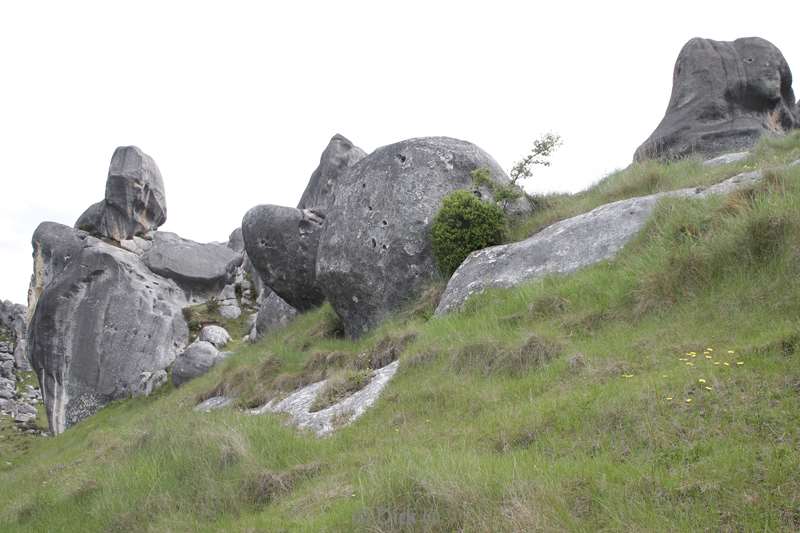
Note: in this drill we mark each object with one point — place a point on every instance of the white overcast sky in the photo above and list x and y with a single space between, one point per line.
236 100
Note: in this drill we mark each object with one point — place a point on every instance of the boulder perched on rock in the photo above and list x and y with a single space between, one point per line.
199 269
15 318
98 324
134 203
339 155
725 96
198 359
568 245
281 243
375 251
273 313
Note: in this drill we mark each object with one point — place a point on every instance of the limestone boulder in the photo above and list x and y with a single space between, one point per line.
195 361
98 324
725 96
15 318
281 243
339 155
134 202
216 335
375 254
273 313
200 269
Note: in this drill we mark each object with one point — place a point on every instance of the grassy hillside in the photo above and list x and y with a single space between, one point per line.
657 392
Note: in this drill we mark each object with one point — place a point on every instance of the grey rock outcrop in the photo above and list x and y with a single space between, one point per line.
568 245
338 156
725 96
15 318
199 269
134 202
195 361
98 324
281 243
273 313
375 252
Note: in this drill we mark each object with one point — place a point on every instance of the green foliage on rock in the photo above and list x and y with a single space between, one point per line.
464 224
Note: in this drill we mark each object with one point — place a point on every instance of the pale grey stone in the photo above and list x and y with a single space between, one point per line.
195 361
340 414
213 404
726 159
216 335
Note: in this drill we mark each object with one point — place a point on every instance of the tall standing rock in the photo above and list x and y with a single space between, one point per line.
339 155
100 320
134 203
15 318
282 242
725 96
375 251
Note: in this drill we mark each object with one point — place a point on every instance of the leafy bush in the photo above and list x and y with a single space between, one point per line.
464 224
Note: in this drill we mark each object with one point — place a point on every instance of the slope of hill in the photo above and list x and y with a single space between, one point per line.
659 391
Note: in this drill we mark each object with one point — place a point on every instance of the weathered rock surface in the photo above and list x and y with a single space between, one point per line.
339 155
98 324
273 313
281 243
213 404
568 245
725 96
15 318
199 269
298 404
726 159
134 202
216 335
375 253
54 246
195 361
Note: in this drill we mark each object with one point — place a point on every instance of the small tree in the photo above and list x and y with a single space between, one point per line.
542 149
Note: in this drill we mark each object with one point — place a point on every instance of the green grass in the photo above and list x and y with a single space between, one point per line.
543 408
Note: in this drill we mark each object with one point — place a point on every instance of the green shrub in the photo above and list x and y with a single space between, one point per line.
464 224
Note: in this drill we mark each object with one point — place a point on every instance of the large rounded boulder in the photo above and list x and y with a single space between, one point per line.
98 324
725 96
375 249
134 203
281 243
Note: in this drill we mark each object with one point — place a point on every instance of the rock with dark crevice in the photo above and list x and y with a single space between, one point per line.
134 202
375 251
725 96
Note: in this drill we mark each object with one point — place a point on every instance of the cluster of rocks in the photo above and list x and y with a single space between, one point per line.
360 236
18 404
106 297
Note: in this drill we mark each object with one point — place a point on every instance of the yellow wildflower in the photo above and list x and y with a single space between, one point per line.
669 398
740 363
726 363
708 388
701 380
731 352
688 400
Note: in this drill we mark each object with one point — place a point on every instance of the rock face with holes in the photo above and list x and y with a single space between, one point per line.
134 203
339 155
375 251
281 243
568 245
725 96
100 319
201 270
